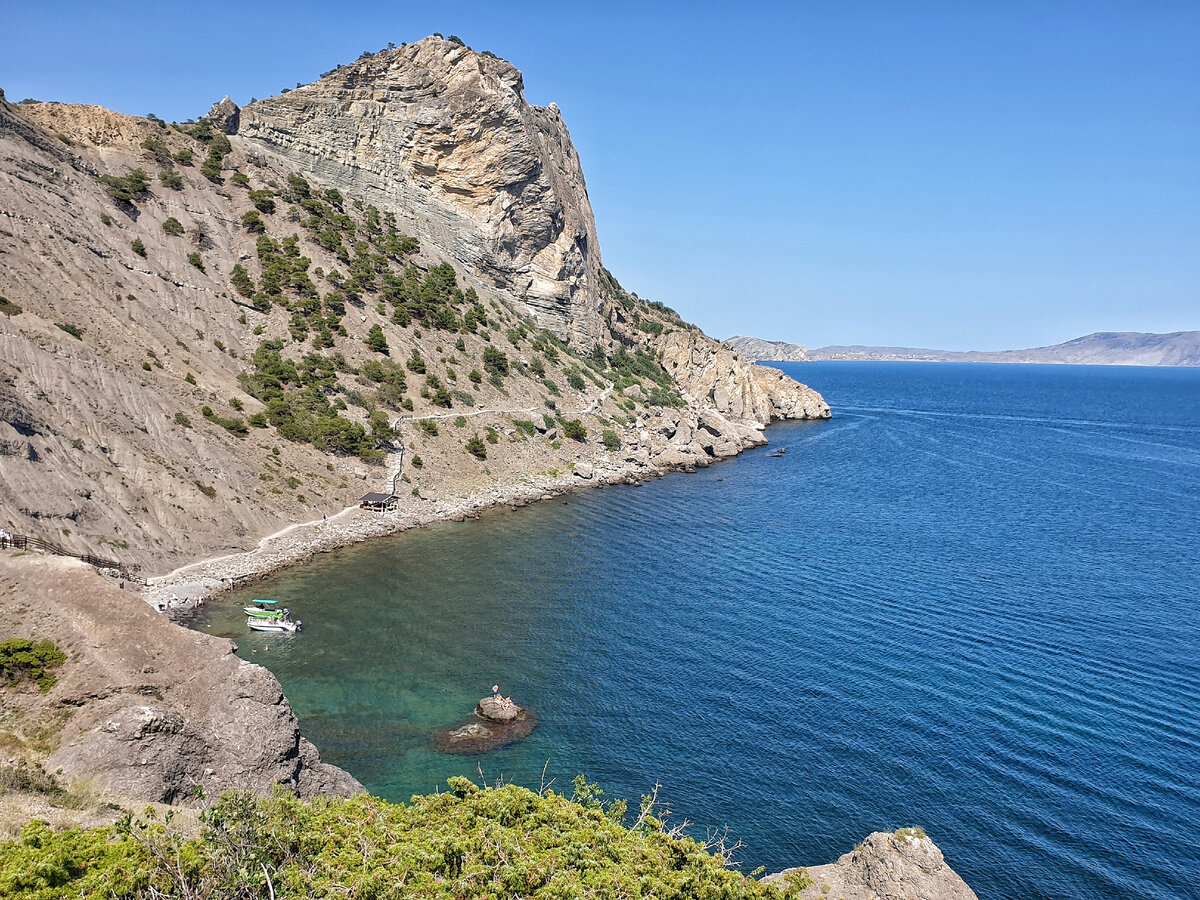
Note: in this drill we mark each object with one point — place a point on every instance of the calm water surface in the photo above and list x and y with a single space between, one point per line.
968 602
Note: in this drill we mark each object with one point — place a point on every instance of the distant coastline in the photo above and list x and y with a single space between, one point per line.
1102 348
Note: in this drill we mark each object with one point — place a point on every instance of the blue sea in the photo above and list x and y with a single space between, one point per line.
968 602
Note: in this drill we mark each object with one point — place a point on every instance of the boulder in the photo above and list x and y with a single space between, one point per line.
904 865
494 723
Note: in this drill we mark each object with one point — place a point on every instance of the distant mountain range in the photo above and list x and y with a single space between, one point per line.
1103 348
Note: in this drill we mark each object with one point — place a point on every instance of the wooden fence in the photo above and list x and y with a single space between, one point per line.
20 542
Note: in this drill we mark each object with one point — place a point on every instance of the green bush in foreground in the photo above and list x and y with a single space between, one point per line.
467 843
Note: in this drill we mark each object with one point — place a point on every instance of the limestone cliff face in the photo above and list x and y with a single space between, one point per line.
443 136
704 368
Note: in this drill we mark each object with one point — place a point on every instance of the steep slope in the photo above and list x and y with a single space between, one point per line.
444 136
209 336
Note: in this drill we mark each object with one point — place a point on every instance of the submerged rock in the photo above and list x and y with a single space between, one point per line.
493 724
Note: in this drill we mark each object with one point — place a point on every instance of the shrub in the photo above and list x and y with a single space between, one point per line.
612 442
430 427
575 380
195 260
477 448
475 375
183 157
206 489
416 363
574 429
173 226
241 179
125 189
417 462
241 280
495 362
460 422
24 660
171 179
525 426
138 247
376 340
253 222
8 307
73 330
493 436
181 419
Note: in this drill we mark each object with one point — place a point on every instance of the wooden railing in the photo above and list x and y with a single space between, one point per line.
20 542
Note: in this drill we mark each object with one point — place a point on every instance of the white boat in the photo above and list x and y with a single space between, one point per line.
279 623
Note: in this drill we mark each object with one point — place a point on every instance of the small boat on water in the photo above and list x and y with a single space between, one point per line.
262 608
265 615
280 623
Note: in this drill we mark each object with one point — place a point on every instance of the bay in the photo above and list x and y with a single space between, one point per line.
967 602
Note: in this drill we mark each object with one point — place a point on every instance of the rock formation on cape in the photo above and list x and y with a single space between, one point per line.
134 315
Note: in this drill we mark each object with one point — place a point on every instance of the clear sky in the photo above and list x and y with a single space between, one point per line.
968 174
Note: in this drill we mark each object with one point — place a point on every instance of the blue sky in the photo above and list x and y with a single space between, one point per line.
959 175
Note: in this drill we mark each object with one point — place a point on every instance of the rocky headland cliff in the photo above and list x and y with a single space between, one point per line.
388 280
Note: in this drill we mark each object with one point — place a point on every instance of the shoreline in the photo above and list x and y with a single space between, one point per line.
185 588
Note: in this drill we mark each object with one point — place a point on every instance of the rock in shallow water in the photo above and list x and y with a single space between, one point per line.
492 724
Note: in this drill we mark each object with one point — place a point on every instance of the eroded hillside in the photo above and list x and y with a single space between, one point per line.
208 335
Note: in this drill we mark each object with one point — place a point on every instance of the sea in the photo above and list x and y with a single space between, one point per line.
968 602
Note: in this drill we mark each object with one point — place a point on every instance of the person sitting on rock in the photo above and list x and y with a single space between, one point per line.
495 692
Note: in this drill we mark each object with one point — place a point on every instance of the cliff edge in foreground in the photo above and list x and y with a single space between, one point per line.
901 865
144 709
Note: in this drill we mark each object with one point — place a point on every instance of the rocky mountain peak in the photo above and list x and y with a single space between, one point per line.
225 116
443 135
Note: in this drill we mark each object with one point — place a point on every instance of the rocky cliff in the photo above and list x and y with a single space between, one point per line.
444 136
144 709
775 351
385 280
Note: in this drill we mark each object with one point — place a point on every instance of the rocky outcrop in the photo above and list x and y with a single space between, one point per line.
905 865
756 349
225 116
444 136
143 708
705 369
494 723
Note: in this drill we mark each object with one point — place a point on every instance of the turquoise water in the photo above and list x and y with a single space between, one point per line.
968 602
